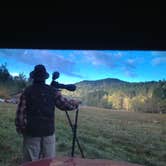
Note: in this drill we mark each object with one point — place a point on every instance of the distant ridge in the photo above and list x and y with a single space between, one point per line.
106 80
111 80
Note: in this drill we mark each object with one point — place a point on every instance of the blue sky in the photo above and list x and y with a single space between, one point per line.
78 65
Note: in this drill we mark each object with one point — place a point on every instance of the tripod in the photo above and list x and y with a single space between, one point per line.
69 87
74 130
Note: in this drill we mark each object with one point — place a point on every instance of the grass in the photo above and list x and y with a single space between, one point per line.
124 136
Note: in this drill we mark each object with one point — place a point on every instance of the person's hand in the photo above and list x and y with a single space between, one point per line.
76 103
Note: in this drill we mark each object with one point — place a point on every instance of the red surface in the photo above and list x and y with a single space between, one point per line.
77 162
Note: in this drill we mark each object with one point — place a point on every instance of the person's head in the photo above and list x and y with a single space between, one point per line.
39 73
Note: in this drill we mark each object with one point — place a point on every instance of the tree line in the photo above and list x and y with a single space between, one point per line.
10 85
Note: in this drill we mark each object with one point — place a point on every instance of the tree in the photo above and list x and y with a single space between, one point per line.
10 85
4 73
159 96
126 103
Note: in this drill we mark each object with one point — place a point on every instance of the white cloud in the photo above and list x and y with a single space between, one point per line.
114 60
130 73
158 60
103 58
159 53
130 61
14 74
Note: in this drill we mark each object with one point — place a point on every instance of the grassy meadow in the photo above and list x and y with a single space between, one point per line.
124 136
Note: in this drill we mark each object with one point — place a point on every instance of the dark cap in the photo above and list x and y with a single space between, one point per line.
39 73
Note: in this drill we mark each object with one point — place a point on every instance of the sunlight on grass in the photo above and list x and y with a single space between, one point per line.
128 136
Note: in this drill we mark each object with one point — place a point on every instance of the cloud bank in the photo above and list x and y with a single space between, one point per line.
52 61
122 61
158 58
113 60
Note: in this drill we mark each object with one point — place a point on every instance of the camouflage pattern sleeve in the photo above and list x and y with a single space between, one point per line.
63 103
20 119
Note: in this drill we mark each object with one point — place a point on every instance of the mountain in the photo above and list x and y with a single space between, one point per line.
105 81
117 94
108 86
102 84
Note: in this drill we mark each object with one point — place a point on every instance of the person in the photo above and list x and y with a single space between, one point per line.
35 115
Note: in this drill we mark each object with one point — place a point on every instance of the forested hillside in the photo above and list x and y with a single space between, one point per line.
121 95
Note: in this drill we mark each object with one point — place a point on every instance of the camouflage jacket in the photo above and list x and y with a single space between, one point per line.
21 113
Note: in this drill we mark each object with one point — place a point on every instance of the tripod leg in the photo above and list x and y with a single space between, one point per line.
70 123
74 134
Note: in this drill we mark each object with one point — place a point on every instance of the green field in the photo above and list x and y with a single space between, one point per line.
125 136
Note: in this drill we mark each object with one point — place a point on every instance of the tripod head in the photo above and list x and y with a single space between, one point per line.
55 84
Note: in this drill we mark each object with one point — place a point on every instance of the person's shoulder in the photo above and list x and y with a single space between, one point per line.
52 89
49 87
27 89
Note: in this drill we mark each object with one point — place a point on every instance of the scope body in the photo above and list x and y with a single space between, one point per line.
57 85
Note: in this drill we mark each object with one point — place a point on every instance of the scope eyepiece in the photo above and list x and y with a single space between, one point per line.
55 75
